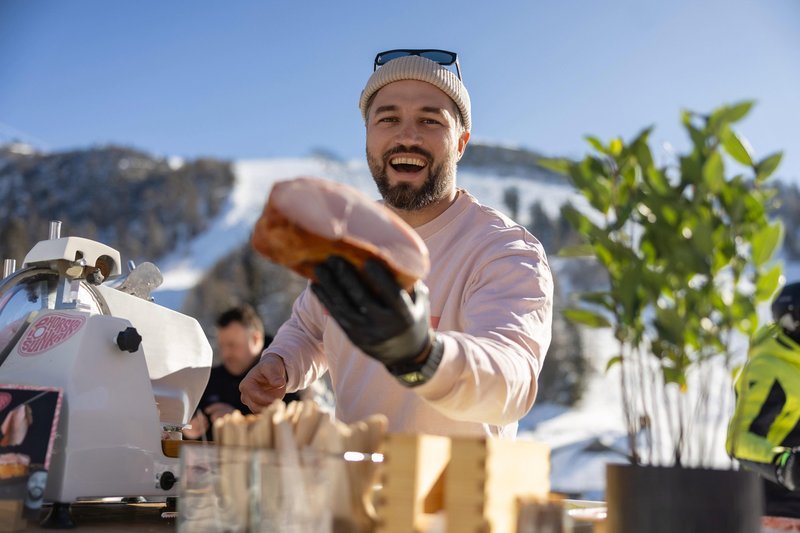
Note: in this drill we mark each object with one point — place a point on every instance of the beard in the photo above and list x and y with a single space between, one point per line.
406 196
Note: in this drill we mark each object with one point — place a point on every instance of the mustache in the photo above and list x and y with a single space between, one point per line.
407 150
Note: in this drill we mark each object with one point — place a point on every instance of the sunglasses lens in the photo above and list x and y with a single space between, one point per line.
439 56
442 57
385 57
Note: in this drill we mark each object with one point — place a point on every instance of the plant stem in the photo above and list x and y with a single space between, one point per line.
626 408
645 420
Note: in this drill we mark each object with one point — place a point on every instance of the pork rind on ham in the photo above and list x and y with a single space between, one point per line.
306 220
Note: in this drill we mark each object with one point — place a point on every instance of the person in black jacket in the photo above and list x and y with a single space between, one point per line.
240 340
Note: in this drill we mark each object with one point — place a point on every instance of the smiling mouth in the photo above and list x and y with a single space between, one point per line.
408 164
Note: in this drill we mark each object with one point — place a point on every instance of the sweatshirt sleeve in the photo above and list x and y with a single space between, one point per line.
299 343
489 370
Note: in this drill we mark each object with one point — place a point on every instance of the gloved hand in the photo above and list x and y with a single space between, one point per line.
787 468
377 315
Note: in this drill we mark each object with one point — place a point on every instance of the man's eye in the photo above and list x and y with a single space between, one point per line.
387 119
430 121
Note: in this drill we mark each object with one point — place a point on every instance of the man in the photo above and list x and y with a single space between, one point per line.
37 482
462 361
764 433
240 339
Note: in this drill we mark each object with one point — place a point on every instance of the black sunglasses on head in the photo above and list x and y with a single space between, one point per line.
442 57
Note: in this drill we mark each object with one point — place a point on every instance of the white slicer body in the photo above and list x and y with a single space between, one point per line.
132 371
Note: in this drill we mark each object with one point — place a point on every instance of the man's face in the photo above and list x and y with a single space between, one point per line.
238 347
413 144
36 485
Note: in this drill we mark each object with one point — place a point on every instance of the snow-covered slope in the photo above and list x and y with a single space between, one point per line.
183 268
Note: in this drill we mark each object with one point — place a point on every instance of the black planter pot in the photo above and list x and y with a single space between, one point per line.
654 499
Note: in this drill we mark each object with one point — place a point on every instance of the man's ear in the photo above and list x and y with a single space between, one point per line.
256 340
463 139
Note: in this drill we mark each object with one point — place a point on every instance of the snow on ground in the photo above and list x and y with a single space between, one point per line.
592 434
184 268
583 439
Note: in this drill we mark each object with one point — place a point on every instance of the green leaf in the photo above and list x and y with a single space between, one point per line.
765 242
576 250
586 317
656 180
641 150
613 361
601 298
559 165
578 220
736 148
702 238
767 166
596 144
674 375
687 116
714 172
738 111
697 136
670 325
768 283
725 115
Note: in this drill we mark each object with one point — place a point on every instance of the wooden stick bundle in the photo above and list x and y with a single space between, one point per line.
291 431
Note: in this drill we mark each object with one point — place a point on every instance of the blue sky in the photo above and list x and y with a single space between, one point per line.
245 79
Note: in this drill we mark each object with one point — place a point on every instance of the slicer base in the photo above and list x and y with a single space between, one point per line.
59 517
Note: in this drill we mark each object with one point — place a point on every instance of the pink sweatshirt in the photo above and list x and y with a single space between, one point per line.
491 294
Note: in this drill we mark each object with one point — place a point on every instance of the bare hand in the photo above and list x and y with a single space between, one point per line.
265 383
218 410
199 424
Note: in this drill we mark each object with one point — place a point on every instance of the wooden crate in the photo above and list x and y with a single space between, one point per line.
475 480
412 465
11 517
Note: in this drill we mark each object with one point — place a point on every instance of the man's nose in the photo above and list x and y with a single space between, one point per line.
409 133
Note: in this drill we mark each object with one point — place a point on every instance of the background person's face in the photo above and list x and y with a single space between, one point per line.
238 347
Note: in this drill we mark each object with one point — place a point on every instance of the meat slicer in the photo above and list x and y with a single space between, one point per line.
132 371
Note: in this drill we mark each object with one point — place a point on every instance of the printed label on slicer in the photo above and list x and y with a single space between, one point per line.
49 331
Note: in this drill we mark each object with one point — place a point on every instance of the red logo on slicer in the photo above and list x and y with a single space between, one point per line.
49 331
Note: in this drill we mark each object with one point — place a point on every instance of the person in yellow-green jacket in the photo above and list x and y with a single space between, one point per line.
764 433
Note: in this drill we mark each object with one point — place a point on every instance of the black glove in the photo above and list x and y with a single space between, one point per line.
377 315
787 469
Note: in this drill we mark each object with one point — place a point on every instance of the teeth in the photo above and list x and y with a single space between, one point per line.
408 161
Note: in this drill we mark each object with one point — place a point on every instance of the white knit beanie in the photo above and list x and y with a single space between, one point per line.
421 69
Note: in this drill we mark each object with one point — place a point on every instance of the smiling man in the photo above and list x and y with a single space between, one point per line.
458 355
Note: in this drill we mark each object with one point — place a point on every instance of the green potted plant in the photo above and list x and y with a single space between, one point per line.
687 247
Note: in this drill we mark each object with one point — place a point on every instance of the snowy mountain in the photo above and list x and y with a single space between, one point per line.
253 179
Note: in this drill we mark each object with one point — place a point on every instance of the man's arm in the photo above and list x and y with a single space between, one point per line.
488 371
292 361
